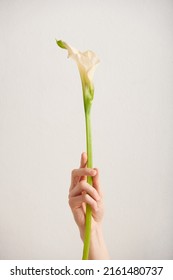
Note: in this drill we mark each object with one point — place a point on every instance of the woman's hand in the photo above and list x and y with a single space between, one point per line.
81 193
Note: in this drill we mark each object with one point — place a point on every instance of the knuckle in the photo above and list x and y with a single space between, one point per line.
70 202
93 191
93 204
81 185
85 197
73 173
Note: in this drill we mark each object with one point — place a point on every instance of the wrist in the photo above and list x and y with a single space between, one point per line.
96 231
98 249
96 235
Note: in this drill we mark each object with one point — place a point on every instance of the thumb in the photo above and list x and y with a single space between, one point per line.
83 163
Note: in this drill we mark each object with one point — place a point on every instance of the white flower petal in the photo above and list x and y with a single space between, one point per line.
86 62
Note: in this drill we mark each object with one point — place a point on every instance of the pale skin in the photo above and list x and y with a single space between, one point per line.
80 194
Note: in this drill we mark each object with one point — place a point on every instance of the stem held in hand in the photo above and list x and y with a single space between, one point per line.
89 180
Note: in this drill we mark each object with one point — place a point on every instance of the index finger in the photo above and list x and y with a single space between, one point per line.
83 172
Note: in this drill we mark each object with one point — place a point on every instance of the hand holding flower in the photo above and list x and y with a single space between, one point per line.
80 193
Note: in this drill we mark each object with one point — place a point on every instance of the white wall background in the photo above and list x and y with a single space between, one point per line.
42 132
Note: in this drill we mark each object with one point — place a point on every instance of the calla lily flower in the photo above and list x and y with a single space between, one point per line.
86 62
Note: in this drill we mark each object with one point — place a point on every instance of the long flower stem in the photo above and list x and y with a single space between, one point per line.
89 180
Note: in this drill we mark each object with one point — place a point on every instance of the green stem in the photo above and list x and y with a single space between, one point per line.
89 180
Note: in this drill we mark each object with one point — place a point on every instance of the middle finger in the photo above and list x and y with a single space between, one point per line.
83 186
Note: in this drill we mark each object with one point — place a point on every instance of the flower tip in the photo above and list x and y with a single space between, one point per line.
61 44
